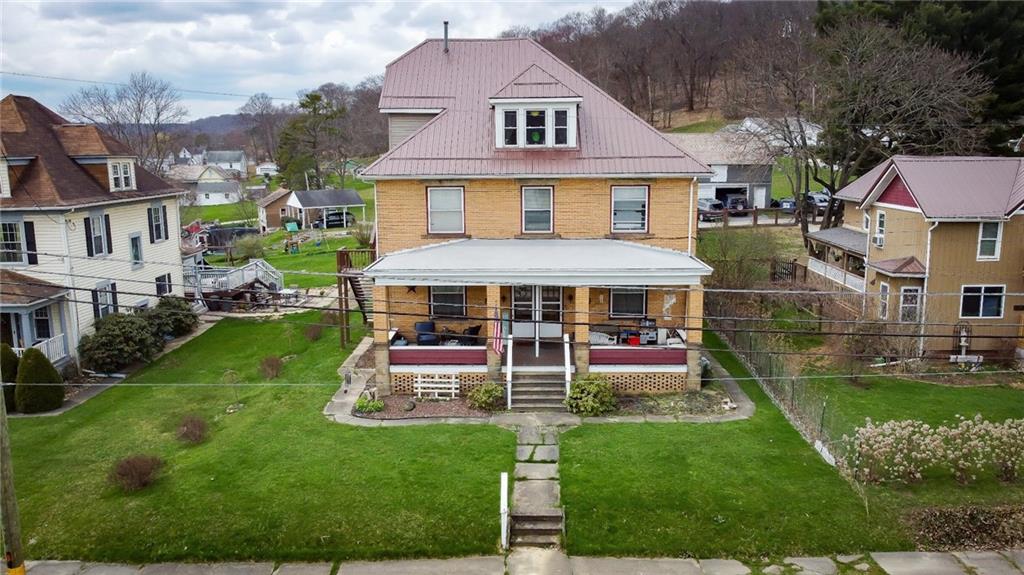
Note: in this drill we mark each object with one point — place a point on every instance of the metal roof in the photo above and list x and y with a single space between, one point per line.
722 148
325 198
612 141
534 82
557 262
899 267
843 238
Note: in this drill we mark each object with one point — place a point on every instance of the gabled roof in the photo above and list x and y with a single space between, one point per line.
949 187
52 178
272 197
460 140
900 267
722 148
534 82
192 172
19 289
326 198
222 156
217 187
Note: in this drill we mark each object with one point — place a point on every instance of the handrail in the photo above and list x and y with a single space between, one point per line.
508 372
568 376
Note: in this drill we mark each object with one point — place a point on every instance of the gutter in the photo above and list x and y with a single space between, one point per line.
689 220
72 208
372 178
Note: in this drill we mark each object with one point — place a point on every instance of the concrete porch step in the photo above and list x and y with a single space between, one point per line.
536 540
547 407
538 376
547 527
537 397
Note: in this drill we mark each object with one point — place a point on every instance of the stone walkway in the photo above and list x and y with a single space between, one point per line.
537 519
538 561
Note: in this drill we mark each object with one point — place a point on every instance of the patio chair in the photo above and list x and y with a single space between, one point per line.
470 335
425 333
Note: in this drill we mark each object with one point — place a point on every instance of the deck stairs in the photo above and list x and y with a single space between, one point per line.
362 290
538 391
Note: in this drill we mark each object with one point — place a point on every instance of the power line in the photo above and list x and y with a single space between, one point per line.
123 84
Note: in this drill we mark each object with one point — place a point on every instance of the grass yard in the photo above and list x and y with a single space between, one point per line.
275 481
744 489
708 125
310 258
223 212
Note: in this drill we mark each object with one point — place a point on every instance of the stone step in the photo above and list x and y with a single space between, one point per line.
535 397
558 386
537 513
536 471
547 376
533 540
528 407
537 527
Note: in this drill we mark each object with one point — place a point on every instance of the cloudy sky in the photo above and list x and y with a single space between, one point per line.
236 47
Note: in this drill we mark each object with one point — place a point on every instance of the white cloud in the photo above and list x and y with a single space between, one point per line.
273 47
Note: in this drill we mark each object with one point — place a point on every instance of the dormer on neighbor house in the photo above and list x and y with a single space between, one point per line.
108 161
535 110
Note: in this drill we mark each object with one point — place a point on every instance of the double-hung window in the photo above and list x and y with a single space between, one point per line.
11 248
41 323
561 127
537 212
135 243
629 208
448 301
866 224
104 300
990 239
627 302
511 127
157 225
910 304
883 300
444 211
879 238
982 301
163 284
121 176
536 128
97 235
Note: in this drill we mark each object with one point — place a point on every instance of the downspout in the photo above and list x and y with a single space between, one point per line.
924 289
689 221
69 270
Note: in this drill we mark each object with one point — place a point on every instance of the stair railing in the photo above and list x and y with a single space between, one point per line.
568 374
508 371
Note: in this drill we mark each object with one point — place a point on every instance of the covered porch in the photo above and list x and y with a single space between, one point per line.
32 315
838 257
490 310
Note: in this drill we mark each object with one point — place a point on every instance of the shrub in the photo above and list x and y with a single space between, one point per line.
893 451
249 247
590 395
965 447
192 429
120 340
31 392
313 331
330 317
8 373
179 313
363 234
487 396
271 366
135 472
1007 448
366 405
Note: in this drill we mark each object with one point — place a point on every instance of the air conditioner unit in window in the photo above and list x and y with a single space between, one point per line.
878 240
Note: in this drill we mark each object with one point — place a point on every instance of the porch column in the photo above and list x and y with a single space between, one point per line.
26 329
381 325
493 313
694 336
581 331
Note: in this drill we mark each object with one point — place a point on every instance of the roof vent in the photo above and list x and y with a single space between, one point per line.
445 36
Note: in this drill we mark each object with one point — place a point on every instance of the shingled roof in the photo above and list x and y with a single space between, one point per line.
19 289
52 178
460 140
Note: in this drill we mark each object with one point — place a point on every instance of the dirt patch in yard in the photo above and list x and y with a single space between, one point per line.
968 527
395 407
708 401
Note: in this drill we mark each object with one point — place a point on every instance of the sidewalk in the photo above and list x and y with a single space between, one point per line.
534 561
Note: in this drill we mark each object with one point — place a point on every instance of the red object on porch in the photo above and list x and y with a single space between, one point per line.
439 355
637 356
633 340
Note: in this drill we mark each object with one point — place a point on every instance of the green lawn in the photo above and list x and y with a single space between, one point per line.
223 212
709 125
310 258
744 489
274 481
789 317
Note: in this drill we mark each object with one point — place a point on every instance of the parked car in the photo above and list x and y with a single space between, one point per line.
787 205
334 220
819 200
736 204
709 209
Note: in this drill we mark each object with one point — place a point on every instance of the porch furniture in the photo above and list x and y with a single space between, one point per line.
470 335
436 386
425 333
598 338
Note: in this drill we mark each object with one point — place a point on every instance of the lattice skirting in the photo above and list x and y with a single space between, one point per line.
644 383
401 383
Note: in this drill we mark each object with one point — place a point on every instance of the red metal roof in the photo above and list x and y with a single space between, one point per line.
534 82
460 140
909 266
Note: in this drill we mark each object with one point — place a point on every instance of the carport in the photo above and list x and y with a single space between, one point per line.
326 201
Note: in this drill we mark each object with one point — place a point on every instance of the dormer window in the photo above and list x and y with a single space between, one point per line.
511 128
561 127
122 175
535 124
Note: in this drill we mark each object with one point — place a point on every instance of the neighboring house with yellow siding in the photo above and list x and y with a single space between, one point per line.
937 242
519 200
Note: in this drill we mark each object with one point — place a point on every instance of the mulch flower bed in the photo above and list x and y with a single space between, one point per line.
704 402
395 408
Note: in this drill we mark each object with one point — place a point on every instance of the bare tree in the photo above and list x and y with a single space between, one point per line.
139 113
266 120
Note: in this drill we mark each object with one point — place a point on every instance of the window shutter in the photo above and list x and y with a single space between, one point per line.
113 296
149 214
167 232
88 237
106 224
95 304
30 243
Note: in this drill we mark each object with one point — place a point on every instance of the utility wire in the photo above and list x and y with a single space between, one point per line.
124 84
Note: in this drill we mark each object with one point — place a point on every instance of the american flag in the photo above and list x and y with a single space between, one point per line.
498 343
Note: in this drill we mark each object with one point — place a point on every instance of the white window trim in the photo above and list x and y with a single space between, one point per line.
647 210
125 167
105 299
102 228
866 222
880 225
998 240
550 210
611 303
883 300
981 307
430 299
49 323
158 217
142 258
462 210
23 249
169 283
911 289
549 109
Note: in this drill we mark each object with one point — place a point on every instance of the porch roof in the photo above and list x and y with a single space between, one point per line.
554 262
20 290
843 238
900 267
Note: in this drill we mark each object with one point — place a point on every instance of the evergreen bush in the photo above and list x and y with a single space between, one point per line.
8 373
39 386
120 340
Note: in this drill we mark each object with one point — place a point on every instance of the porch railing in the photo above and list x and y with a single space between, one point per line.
356 259
219 279
508 372
568 375
53 348
838 275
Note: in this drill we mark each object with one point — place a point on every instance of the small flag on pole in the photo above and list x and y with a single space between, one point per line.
498 343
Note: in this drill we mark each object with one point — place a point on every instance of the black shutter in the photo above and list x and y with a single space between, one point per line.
167 232
113 296
149 214
88 237
106 224
30 243
95 304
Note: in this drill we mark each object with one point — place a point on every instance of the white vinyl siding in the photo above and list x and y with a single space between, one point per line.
401 126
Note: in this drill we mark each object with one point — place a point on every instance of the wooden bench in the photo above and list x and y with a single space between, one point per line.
436 386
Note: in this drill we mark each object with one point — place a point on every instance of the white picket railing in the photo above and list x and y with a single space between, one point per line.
568 371
53 348
508 371
218 279
838 275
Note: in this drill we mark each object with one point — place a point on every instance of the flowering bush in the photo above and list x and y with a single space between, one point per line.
1007 448
966 447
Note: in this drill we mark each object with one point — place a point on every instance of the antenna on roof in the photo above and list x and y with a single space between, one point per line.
445 36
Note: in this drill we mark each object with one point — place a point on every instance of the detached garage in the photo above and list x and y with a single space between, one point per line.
739 168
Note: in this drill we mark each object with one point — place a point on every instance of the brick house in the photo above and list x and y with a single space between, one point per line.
936 242
516 190
84 230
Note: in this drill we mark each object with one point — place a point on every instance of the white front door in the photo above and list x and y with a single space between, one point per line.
536 312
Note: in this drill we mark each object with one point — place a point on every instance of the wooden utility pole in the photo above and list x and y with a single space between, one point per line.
342 261
14 558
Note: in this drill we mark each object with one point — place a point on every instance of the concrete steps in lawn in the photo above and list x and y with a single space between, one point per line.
532 391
